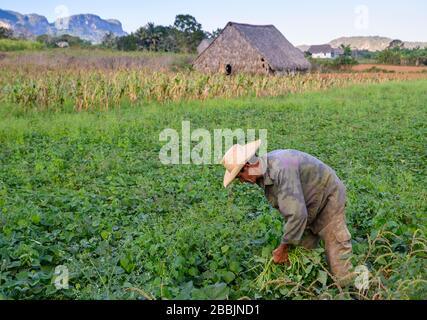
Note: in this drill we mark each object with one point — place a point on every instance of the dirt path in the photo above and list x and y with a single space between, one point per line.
364 67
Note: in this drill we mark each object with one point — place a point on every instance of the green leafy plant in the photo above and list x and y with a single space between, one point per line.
86 191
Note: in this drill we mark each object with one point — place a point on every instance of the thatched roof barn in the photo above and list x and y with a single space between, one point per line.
251 49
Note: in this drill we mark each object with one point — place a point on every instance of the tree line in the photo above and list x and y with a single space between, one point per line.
183 36
396 53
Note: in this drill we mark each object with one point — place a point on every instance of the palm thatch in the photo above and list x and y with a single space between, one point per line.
252 48
323 48
273 45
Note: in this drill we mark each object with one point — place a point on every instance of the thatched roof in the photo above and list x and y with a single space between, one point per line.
323 48
273 46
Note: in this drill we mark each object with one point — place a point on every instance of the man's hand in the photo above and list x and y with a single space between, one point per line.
280 255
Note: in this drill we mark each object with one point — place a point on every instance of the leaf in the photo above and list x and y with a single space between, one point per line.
266 252
105 235
322 277
225 249
35 218
185 292
127 264
381 261
309 268
235 267
193 272
46 258
228 276
22 223
218 291
316 259
284 291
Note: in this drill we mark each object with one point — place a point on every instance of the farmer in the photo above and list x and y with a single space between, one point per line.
307 193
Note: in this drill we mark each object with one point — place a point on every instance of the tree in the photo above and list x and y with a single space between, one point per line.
397 54
396 44
214 34
127 43
187 24
346 59
148 37
390 56
347 50
167 39
183 36
189 33
6 33
44 38
109 41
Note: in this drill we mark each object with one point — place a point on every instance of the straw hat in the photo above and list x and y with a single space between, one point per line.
236 158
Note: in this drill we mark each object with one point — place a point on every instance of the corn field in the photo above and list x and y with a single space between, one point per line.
43 89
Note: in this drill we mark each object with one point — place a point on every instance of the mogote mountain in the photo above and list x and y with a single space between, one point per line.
85 26
373 43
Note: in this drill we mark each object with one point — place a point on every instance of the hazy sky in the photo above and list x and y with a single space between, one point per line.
301 21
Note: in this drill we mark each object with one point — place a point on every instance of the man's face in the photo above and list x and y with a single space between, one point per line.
246 176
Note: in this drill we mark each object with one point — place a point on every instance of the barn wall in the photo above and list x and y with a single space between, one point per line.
322 55
231 48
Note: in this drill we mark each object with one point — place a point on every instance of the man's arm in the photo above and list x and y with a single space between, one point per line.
293 208
295 213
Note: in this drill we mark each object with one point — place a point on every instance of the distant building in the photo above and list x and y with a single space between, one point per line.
251 49
325 51
62 44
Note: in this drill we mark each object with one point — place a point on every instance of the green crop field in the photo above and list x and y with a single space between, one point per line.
87 191
18 45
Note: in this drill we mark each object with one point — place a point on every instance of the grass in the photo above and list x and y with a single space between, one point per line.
80 60
19 45
74 52
86 190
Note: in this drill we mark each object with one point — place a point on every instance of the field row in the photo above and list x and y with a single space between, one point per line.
41 89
